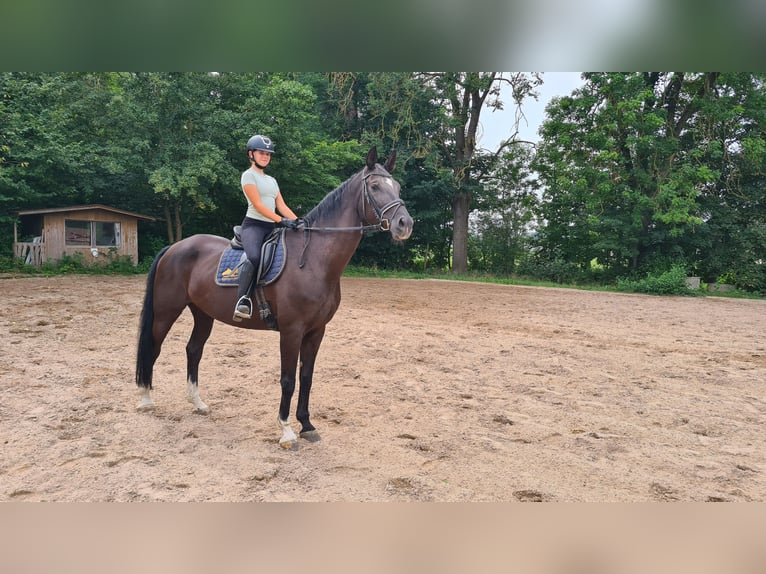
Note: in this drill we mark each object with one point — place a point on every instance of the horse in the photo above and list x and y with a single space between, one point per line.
303 300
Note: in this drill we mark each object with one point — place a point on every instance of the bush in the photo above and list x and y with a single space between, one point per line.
67 264
556 270
672 282
75 264
750 277
12 264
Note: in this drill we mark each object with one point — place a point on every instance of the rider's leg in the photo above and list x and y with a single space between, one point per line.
253 234
244 307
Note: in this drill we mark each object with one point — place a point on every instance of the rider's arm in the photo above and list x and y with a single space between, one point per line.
283 209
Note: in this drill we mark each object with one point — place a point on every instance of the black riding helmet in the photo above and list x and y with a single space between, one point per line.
259 142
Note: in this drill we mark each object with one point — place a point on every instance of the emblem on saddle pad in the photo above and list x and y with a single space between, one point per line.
230 274
273 257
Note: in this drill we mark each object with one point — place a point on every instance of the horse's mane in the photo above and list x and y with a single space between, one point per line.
332 201
330 204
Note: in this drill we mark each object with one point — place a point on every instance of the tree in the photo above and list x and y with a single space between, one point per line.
397 111
438 114
732 242
464 95
622 164
55 140
53 137
183 162
308 164
505 218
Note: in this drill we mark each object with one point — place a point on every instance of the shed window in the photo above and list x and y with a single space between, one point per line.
77 232
107 233
92 233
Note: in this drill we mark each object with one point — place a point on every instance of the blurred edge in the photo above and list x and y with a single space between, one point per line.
552 35
371 538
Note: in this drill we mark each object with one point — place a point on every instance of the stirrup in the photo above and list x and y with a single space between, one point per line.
243 309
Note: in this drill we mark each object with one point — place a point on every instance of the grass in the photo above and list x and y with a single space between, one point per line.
357 271
123 266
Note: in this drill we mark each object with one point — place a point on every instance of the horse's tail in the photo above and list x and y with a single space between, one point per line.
145 355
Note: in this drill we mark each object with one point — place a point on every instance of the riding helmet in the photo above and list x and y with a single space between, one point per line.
259 142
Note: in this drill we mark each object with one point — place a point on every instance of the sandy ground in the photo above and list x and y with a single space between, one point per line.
424 390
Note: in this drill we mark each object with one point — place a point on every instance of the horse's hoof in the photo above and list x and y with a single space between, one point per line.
202 411
311 436
289 444
143 407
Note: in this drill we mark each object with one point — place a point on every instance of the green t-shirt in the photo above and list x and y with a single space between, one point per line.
267 188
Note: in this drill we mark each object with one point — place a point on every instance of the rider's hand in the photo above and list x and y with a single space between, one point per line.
291 223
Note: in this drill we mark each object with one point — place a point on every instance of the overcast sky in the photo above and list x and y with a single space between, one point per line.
497 126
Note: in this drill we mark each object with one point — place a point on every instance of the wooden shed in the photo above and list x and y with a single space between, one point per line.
95 231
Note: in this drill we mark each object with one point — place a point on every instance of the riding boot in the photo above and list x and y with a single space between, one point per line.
244 307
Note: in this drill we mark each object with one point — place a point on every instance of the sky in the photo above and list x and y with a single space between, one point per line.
497 125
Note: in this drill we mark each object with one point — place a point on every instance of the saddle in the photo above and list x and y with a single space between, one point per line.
273 257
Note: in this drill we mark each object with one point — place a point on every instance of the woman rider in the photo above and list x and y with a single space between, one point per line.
264 200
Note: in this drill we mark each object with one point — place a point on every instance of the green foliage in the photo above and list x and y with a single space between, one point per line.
14 265
75 264
554 269
642 166
503 227
635 170
671 282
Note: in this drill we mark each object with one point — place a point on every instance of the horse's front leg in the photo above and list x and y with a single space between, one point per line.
309 350
289 346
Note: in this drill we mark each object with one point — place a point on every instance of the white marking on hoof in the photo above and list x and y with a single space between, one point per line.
288 440
146 403
192 393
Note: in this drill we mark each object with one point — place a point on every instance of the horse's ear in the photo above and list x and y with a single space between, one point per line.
372 157
391 162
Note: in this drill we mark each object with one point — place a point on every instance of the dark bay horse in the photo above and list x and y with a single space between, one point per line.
303 299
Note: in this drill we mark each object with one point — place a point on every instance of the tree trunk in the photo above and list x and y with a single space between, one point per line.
179 227
173 222
169 224
460 206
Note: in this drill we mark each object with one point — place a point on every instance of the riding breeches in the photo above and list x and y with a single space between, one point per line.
254 231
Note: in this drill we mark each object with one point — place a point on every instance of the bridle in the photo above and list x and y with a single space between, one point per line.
382 224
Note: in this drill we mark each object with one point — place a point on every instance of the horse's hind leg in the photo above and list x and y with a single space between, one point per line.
203 325
159 329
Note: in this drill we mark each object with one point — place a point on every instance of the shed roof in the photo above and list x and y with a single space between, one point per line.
88 207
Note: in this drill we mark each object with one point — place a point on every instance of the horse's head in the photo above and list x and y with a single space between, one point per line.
382 204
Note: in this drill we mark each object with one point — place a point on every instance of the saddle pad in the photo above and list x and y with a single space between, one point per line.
227 271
